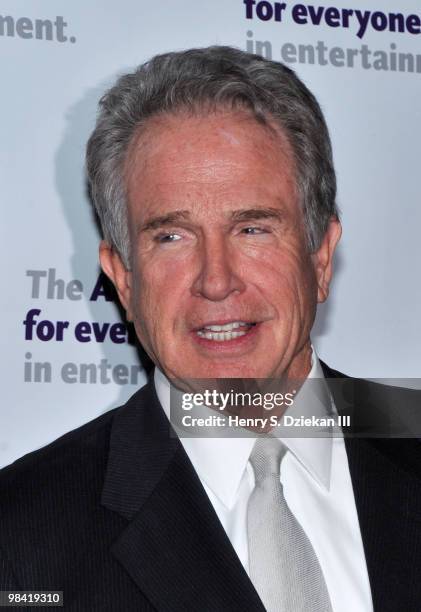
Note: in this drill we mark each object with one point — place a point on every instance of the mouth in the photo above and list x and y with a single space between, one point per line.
226 332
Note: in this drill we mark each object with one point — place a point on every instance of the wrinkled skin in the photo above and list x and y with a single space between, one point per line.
217 235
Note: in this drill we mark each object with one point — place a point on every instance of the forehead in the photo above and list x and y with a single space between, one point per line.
211 160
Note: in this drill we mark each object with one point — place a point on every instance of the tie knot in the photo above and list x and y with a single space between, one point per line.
266 458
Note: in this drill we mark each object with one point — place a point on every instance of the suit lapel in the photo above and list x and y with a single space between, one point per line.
386 478
387 488
174 546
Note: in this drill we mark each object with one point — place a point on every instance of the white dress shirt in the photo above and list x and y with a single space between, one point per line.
317 487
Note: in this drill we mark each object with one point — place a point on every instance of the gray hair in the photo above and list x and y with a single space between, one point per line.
198 80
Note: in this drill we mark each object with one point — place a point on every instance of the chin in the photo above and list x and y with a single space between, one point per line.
225 370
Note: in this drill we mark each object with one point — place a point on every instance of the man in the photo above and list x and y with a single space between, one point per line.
212 176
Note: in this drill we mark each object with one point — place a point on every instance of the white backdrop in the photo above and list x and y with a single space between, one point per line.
57 59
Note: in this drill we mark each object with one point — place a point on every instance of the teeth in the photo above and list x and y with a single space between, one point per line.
225 328
220 336
222 333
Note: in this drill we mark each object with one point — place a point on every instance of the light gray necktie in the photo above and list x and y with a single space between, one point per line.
283 565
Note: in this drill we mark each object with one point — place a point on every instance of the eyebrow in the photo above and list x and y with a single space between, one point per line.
163 220
243 214
251 214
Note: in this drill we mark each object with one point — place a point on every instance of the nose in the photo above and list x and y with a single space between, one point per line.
218 275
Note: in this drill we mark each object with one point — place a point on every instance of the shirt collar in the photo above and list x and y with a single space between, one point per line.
221 462
313 399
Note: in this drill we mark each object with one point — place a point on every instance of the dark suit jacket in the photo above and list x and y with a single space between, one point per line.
114 515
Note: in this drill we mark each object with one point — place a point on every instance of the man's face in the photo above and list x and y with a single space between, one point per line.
221 281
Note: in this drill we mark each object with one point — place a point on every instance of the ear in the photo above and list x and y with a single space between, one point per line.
323 258
113 266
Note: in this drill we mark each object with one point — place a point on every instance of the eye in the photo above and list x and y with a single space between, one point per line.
167 238
252 231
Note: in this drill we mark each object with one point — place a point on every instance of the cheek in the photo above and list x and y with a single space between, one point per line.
288 282
158 297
